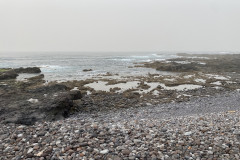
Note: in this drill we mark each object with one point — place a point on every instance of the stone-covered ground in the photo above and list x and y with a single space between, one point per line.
202 128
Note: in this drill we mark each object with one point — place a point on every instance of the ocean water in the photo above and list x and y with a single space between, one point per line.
70 66
64 66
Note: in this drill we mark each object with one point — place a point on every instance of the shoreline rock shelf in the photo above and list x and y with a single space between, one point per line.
8 73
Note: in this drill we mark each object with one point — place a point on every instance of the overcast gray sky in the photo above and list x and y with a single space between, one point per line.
119 25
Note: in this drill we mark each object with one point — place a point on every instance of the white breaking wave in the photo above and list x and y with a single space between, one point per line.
140 57
51 66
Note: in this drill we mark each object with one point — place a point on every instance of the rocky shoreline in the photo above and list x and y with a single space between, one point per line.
210 130
192 113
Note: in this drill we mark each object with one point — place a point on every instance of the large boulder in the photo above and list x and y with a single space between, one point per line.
50 109
60 107
44 103
11 74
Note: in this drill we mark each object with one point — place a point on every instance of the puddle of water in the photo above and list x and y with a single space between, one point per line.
31 100
108 77
217 83
152 85
230 82
219 77
101 86
188 76
88 92
182 62
185 95
169 79
75 89
217 87
157 76
200 80
155 93
182 87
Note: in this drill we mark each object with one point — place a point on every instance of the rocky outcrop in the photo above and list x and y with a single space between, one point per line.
175 67
49 108
13 73
28 70
29 102
61 106
87 70
198 62
10 74
48 89
36 78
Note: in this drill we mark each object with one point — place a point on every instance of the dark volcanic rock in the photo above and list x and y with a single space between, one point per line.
38 77
60 106
28 70
87 70
201 62
50 88
26 103
49 108
11 74
75 94
175 67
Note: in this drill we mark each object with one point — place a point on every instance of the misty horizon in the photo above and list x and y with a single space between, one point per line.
108 53
119 26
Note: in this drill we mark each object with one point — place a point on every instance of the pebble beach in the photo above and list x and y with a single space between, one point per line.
202 128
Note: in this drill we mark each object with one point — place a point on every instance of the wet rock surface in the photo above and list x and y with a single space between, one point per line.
28 70
87 70
8 74
31 101
203 128
198 62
